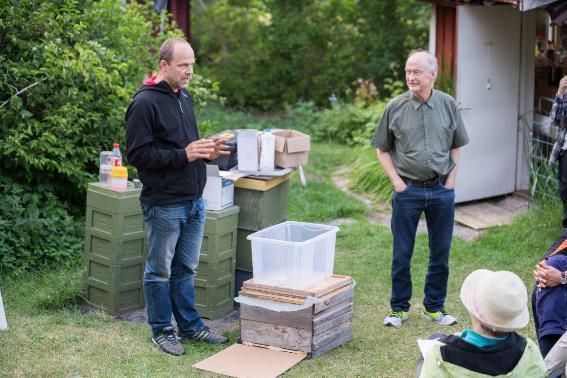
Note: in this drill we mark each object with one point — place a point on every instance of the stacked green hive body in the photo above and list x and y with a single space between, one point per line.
261 206
115 249
214 282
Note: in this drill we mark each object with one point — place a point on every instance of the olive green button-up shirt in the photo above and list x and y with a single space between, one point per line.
420 135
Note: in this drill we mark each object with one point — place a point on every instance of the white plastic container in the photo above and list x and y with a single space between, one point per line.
119 179
267 151
294 255
105 167
247 147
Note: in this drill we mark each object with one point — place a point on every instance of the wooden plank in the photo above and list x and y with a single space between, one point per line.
333 312
275 335
335 322
331 335
482 215
268 291
319 289
470 220
271 297
341 339
272 348
261 185
333 298
327 301
329 285
299 319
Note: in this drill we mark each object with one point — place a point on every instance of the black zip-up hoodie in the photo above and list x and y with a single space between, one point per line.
160 123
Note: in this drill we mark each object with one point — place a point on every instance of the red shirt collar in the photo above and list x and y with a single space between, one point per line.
152 81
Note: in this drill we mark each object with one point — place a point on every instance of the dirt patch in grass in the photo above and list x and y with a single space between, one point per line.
223 324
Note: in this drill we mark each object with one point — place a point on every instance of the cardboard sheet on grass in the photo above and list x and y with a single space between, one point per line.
251 361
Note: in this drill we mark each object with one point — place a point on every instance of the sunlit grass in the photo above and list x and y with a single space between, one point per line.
49 336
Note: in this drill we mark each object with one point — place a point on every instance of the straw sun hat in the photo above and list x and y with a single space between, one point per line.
499 300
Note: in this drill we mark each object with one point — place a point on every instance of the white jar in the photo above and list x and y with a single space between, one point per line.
119 179
267 151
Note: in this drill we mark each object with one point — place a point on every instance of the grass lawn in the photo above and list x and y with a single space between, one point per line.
48 335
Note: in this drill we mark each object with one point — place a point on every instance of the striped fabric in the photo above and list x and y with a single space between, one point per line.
559 118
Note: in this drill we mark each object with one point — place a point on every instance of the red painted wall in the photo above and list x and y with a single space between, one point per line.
181 12
446 40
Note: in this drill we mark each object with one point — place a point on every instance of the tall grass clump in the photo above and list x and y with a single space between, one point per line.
368 177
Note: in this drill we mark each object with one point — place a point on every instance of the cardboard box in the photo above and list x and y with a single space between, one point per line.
292 148
219 190
247 146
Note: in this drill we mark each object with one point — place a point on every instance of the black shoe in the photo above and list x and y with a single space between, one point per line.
167 342
206 334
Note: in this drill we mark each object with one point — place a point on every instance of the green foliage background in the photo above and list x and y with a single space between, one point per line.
268 53
70 68
86 59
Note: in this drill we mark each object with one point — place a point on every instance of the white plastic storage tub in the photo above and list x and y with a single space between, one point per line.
293 254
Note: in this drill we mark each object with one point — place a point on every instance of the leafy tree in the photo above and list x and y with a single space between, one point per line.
69 70
267 53
81 62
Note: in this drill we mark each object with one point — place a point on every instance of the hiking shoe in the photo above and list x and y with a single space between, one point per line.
206 334
395 318
440 317
167 342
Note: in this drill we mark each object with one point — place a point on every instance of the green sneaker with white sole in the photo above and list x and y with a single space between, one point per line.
395 318
441 317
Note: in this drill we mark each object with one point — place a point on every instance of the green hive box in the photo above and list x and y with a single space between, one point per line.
214 281
214 301
219 237
115 249
261 209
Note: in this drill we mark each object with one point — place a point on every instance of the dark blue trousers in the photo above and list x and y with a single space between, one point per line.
438 204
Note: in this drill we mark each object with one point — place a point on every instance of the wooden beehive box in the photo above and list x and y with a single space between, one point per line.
316 329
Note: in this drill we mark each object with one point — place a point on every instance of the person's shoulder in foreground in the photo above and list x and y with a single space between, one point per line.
497 303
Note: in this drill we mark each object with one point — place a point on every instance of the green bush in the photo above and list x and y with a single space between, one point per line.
81 62
69 70
214 118
350 124
269 53
35 229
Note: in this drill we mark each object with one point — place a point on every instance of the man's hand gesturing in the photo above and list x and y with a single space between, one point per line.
206 149
200 149
220 148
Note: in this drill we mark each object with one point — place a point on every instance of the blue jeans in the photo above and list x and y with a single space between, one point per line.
175 234
438 204
550 308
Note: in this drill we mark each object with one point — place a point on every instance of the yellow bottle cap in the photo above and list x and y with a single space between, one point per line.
119 172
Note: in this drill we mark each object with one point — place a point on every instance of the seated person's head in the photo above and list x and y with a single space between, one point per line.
497 302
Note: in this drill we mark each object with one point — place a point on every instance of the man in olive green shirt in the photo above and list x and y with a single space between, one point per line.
417 142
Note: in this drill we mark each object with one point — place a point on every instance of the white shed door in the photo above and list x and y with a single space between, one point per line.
487 83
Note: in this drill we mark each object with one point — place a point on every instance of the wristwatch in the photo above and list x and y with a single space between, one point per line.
563 279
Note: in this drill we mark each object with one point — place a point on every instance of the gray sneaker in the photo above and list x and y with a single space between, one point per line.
395 318
167 342
206 334
440 317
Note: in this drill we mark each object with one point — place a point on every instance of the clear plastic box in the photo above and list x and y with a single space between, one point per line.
294 255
